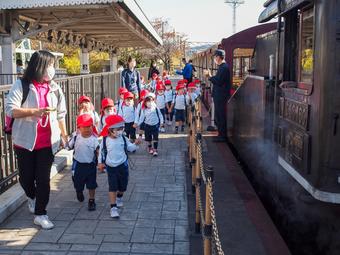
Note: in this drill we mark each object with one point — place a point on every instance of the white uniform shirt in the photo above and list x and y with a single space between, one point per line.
149 116
128 113
115 151
160 101
84 148
138 112
118 105
193 96
169 95
180 101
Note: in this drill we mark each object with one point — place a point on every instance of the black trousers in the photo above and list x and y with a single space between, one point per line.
34 175
130 131
220 104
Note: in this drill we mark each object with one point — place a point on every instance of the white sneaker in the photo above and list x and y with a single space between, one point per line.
43 221
114 212
169 123
31 204
162 130
155 153
119 202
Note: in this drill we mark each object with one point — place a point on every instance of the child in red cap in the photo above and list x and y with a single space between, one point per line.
84 168
108 108
120 101
179 104
192 94
169 96
113 155
138 112
152 118
160 101
85 106
127 111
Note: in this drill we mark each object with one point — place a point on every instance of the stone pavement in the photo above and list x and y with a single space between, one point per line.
154 219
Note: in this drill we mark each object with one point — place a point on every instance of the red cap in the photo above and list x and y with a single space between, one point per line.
84 120
84 99
167 82
143 93
185 81
197 81
180 86
122 90
160 86
191 85
112 121
107 102
128 95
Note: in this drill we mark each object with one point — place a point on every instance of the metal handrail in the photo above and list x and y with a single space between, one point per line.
97 86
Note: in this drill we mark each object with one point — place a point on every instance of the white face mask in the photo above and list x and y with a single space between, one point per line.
129 102
148 104
119 132
168 87
161 93
108 111
50 72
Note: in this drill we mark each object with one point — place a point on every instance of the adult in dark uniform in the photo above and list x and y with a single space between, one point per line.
221 93
131 78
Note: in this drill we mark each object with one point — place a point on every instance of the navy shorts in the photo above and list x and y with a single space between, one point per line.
151 132
130 131
163 112
118 177
179 115
84 174
166 108
142 126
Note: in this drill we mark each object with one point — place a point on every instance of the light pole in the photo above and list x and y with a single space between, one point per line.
234 4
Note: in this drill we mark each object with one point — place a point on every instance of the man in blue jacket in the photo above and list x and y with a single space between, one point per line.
221 93
131 78
186 71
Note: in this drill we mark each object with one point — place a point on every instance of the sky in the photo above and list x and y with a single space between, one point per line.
203 20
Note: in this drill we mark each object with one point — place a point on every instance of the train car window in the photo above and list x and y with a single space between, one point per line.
241 64
306 45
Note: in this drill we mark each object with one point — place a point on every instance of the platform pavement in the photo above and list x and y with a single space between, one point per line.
154 219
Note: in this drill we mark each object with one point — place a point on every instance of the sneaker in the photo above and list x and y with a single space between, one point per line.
182 129
31 204
114 212
43 221
155 153
119 202
91 205
162 130
176 131
169 123
80 196
150 150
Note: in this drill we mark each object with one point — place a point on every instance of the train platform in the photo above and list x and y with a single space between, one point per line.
243 223
154 219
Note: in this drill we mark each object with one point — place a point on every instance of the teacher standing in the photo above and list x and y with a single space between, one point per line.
131 78
37 105
221 93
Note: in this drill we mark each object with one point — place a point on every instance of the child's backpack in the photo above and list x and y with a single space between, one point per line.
104 149
9 121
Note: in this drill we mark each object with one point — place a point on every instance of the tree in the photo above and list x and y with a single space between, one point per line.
174 44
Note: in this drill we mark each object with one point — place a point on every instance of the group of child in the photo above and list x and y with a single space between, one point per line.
117 125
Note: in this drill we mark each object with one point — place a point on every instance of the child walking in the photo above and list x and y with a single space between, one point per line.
160 101
179 103
169 96
192 92
120 101
85 106
108 108
128 113
138 113
113 155
153 119
84 167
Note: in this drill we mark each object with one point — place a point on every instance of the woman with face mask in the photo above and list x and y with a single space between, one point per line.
152 70
131 78
37 105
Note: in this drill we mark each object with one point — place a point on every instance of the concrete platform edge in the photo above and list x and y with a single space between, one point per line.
14 197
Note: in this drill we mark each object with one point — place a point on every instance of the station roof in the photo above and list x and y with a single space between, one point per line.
100 24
